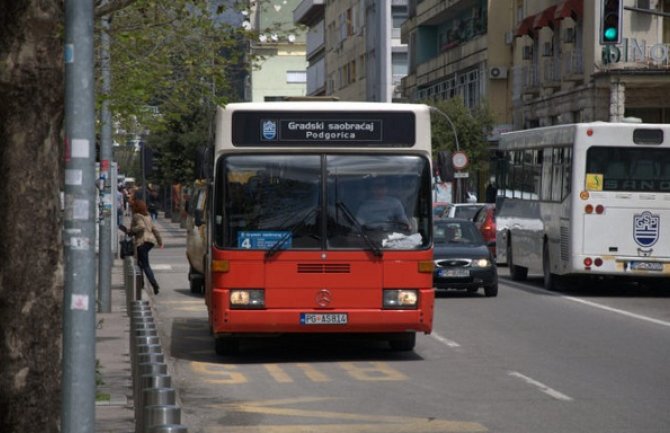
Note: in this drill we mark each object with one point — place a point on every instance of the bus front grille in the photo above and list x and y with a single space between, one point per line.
319 268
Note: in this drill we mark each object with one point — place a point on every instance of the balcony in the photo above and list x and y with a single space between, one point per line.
525 81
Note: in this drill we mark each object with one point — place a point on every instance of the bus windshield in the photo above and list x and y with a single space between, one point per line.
630 169
318 201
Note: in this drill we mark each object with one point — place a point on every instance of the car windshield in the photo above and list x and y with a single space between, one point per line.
284 202
457 232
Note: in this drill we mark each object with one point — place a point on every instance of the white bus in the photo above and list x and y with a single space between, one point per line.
585 200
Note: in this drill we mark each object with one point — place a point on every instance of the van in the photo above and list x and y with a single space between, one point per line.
196 235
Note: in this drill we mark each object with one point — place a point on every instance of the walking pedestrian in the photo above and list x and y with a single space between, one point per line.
146 237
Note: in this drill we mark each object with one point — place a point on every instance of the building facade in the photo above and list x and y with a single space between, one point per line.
540 62
279 67
354 49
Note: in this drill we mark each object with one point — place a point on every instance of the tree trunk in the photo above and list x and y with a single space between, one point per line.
31 258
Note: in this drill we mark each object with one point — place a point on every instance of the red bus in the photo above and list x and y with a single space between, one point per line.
320 222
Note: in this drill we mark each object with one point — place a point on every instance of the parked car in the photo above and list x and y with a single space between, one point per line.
462 258
196 236
485 220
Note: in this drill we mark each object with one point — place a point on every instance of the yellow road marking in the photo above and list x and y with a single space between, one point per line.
278 373
370 423
225 373
312 373
377 371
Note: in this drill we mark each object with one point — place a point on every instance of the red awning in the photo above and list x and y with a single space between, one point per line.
545 18
526 27
569 8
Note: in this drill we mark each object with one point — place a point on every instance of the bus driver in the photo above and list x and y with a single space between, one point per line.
382 211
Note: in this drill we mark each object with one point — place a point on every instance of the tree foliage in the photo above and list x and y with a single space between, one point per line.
472 127
173 61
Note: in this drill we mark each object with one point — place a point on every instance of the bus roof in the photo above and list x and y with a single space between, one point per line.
568 134
321 105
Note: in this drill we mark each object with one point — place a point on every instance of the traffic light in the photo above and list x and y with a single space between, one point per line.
611 22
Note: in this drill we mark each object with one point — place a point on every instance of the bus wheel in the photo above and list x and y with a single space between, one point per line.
517 273
227 346
403 342
549 281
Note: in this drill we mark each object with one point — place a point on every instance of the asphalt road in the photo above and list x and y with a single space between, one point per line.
527 361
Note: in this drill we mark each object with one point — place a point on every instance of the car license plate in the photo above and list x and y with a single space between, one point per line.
323 318
646 266
454 273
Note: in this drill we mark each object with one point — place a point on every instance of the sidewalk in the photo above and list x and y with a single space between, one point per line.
114 412
115 415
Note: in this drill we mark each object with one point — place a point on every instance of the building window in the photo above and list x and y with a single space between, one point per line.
296 77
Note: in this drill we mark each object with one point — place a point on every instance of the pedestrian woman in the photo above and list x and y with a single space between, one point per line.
146 237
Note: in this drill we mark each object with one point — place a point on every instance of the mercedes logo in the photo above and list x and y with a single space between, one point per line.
323 297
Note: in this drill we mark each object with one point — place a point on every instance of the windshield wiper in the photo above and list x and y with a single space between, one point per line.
376 249
292 231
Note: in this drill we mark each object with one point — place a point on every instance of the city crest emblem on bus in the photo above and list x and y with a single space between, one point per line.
269 131
646 227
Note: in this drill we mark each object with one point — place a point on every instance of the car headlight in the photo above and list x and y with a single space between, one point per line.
481 263
401 299
247 298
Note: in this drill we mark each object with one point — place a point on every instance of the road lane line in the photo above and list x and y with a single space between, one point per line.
591 304
445 341
618 311
541 386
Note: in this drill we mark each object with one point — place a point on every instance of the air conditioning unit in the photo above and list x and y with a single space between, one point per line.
569 35
548 49
528 52
497 72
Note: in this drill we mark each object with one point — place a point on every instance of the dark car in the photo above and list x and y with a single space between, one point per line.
485 220
462 258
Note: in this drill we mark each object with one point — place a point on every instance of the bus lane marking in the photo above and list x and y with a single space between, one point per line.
228 374
377 371
369 423
225 374
541 386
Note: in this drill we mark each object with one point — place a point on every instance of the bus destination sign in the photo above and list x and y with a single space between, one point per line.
321 130
302 129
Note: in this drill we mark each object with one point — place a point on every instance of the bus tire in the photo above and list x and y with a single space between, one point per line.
403 342
517 273
226 346
550 280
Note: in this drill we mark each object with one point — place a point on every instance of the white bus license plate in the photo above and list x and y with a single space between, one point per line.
323 318
646 266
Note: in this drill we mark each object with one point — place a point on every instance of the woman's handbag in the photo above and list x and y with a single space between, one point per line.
127 247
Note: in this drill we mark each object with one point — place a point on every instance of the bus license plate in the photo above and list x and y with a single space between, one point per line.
323 318
646 266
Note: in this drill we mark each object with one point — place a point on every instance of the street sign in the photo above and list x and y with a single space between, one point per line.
460 160
461 174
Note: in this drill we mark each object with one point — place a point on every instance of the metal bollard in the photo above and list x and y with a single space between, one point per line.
135 366
168 428
148 368
139 282
161 415
143 340
154 397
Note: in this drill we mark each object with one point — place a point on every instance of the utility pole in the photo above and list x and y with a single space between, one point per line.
78 381
105 223
458 147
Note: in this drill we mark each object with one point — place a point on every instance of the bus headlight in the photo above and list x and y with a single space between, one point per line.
247 298
481 263
401 299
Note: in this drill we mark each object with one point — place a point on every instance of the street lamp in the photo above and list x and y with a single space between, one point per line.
458 148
